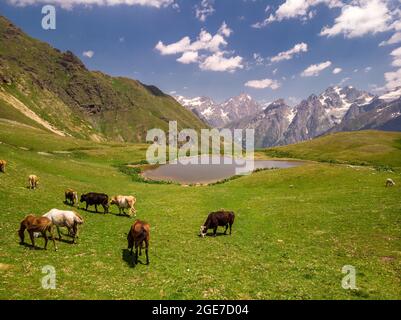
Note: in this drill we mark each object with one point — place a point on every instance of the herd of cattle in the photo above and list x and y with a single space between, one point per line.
138 235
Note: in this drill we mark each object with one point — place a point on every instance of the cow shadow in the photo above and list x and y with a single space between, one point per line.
30 246
126 255
218 234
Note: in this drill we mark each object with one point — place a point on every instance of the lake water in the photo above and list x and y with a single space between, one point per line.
209 173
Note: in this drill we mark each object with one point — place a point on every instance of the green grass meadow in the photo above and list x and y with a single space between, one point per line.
295 228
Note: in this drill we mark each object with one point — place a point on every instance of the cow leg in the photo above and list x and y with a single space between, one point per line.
58 231
231 228
52 236
32 239
136 253
44 235
86 209
215 232
147 251
225 231
96 208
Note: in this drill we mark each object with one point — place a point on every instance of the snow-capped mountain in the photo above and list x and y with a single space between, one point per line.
270 124
335 109
221 114
280 124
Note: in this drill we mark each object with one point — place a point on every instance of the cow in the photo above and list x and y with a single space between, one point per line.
3 166
68 219
36 224
33 181
71 197
124 202
138 236
390 183
217 219
95 199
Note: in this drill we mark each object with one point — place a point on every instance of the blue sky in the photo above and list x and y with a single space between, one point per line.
157 42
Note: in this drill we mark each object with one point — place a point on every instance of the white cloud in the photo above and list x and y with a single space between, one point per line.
289 54
395 38
393 79
68 4
315 69
368 69
300 9
263 84
359 18
207 50
396 57
337 70
189 57
218 62
259 60
204 10
225 30
89 54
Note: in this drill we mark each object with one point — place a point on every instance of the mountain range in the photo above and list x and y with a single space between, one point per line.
334 110
53 90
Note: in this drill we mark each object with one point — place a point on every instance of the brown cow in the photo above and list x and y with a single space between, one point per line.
217 219
138 236
3 166
71 197
33 181
36 224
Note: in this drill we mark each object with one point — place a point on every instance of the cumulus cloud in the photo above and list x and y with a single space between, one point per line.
204 9
207 50
395 38
300 9
218 62
396 57
337 70
189 57
359 18
315 69
89 54
68 4
289 54
393 79
263 84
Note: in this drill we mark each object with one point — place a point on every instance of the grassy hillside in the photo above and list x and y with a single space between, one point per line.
294 231
361 148
54 90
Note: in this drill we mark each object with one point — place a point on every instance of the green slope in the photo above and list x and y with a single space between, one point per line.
294 231
360 148
59 89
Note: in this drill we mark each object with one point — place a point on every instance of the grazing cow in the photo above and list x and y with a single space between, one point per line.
124 202
68 219
138 236
390 183
3 166
71 197
218 219
36 224
33 181
95 199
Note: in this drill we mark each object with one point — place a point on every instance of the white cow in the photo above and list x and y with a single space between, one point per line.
124 202
68 219
390 183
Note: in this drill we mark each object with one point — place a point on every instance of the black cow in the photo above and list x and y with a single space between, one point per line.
96 199
218 219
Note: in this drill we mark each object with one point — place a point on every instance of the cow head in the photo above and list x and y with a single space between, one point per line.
113 200
83 198
203 231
